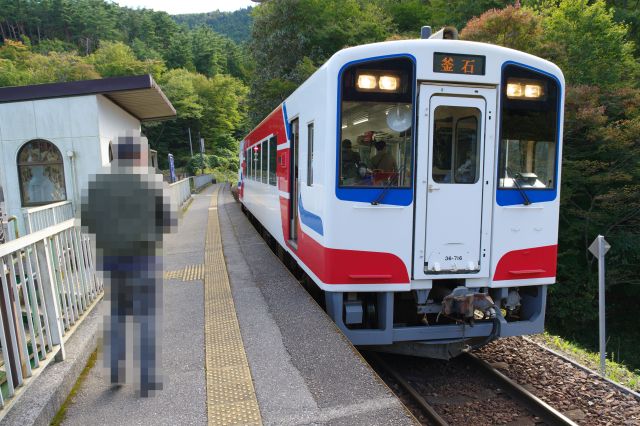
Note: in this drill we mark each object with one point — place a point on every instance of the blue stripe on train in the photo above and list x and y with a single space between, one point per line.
311 220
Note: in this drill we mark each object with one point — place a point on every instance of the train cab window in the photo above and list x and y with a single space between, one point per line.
273 154
376 133
529 122
456 155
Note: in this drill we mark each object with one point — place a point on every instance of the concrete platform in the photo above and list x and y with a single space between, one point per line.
304 370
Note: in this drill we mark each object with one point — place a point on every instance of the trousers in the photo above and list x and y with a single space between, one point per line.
134 294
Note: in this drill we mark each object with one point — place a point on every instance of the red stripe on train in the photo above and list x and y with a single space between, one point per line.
337 266
536 262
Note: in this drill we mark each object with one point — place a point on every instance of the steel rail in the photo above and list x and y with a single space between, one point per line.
537 406
428 410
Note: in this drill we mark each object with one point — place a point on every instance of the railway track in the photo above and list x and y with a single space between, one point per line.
531 408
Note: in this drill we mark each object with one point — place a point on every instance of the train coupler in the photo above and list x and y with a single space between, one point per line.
466 305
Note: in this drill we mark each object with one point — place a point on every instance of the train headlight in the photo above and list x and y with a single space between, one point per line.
367 81
532 91
388 82
514 90
527 89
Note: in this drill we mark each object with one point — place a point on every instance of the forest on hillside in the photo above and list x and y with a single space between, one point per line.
225 72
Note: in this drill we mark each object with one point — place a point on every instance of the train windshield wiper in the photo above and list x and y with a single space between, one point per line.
391 180
519 188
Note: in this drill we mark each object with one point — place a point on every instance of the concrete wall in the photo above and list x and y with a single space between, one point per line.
83 125
113 121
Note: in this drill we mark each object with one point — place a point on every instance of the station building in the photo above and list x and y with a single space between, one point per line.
54 136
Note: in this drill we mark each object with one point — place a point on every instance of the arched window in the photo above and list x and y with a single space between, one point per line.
41 173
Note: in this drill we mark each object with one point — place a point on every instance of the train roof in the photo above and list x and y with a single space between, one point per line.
422 50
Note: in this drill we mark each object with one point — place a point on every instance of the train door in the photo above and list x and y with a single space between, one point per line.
454 182
294 194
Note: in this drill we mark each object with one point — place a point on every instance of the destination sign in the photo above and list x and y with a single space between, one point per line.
453 63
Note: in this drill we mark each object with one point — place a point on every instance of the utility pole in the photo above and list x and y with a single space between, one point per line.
202 153
599 248
190 146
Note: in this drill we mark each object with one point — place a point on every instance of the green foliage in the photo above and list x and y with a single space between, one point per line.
600 191
115 59
202 72
595 49
408 15
197 163
290 35
19 66
600 195
235 25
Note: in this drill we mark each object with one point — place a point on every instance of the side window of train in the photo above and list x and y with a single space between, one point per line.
264 150
528 129
273 155
376 128
247 158
310 154
256 162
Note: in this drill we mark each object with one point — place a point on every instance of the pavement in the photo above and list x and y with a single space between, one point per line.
183 400
304 370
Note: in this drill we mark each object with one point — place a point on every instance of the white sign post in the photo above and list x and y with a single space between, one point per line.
599 247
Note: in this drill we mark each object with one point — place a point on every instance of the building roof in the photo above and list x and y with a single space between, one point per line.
139 95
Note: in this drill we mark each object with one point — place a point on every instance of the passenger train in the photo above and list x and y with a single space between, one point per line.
416 183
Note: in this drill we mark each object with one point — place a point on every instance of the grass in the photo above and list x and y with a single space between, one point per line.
615 371
60 415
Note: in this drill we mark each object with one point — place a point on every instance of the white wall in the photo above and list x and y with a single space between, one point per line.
113 121
82 124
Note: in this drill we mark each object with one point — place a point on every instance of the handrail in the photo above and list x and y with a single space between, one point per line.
178 182
22 242
37 218
48 284
45 207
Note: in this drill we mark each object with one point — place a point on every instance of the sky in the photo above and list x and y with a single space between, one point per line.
174 7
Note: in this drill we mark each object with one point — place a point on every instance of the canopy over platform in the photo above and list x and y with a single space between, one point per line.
139 95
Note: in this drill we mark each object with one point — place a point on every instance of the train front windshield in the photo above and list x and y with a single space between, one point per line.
529 129
376 135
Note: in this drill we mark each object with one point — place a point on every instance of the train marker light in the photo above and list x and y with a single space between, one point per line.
388 82
367 81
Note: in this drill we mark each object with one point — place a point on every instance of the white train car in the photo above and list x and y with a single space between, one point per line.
417 183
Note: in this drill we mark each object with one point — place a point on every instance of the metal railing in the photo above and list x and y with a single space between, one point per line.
201 180
49 284
180 191
38 218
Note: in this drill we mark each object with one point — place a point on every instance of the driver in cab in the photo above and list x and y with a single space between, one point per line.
383 160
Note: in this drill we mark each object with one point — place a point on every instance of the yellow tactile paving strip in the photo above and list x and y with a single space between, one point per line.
188 273
231 398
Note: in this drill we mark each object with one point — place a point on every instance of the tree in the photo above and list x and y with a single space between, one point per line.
117 59
595 49
408 15
20 66
287 31
515 27
456 13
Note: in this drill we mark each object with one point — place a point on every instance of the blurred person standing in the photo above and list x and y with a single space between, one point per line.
128 212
